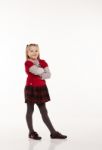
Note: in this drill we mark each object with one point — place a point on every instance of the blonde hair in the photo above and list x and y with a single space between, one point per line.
28 47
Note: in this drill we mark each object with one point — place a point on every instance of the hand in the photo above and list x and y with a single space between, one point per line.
46 74
36 62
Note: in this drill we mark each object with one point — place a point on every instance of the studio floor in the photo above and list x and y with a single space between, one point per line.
83 134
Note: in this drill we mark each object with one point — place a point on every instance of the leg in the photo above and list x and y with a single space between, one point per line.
30 109
45 117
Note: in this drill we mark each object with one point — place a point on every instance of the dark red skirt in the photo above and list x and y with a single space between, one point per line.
36 94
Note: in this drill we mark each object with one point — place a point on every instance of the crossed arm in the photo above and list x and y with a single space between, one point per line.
44 73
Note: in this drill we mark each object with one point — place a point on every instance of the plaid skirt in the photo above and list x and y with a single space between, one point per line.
36 94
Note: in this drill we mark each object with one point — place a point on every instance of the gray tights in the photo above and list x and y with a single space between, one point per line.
44 114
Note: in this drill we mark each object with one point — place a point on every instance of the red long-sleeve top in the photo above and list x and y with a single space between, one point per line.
32 79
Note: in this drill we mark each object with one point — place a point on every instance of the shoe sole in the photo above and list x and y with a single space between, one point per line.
58 138
35 138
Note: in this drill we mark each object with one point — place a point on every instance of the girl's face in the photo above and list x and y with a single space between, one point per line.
33 52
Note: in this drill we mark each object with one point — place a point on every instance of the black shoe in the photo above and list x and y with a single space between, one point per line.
58 135
34 135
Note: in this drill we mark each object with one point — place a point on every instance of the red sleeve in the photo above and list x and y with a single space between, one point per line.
28 64
44 63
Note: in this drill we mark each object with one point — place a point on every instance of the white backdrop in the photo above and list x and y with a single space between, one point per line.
69 35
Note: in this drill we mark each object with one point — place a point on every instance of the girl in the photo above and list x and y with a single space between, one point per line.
36 91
